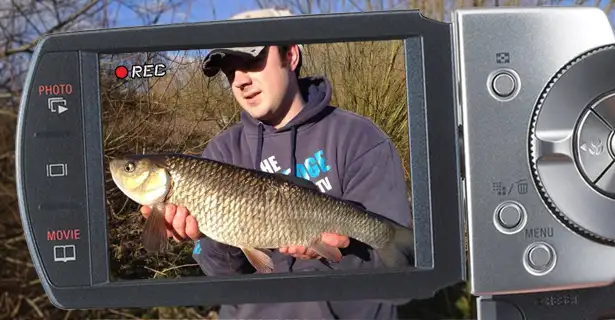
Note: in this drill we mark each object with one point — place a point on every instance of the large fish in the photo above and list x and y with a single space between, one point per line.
253 210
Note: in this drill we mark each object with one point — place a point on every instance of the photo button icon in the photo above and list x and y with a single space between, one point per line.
57 105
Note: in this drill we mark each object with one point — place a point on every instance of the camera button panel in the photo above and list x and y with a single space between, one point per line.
53 160
509 217
539 258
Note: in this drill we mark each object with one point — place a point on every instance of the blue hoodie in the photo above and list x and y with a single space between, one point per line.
346 156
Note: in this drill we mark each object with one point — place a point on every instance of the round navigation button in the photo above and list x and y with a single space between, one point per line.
539 258
570 164
605 108
592 146
504 84
509 217
606 183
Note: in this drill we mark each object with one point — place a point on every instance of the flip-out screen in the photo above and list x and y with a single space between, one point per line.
243 161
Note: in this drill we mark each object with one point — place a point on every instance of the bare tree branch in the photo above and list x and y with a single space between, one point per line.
55 28
23 23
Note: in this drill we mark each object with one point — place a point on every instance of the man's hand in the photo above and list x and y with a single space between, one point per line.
180 224
300 252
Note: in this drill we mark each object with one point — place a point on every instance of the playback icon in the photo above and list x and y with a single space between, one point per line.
57 105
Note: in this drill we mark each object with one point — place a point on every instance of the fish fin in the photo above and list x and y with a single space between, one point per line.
298 181
259 259
326 251
399 253
154 234
171 190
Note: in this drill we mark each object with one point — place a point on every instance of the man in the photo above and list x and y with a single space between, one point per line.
288 127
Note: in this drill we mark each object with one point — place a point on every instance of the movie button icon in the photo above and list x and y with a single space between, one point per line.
64 253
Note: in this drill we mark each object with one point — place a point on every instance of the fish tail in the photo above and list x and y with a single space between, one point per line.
399 252
154 234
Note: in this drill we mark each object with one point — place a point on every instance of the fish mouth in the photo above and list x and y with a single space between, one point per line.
116 165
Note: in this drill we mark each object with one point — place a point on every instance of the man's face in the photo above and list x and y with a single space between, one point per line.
260 85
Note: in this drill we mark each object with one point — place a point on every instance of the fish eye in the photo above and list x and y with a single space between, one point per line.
129 167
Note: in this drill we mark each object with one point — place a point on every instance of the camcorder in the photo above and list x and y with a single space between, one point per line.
500 102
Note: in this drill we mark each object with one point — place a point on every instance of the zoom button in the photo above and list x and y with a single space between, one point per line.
593 144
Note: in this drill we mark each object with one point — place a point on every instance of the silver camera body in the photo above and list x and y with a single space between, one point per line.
537 111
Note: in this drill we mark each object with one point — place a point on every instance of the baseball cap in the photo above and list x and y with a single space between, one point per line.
212 62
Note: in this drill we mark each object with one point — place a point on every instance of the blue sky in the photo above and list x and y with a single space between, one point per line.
205 10
199 10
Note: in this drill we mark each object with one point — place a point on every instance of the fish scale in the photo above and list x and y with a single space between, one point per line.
228 206
252 209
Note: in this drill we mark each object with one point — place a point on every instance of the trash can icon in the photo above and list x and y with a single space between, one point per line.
522 187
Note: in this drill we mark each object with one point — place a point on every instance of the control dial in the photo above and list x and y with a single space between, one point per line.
572 149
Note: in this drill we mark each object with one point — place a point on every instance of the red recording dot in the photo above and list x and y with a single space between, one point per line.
121 72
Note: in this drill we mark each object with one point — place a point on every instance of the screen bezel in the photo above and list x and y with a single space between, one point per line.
434 154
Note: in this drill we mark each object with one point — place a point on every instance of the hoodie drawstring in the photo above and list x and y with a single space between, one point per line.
259 147
293 169
293 146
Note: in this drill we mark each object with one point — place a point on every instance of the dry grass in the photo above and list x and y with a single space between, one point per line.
180 113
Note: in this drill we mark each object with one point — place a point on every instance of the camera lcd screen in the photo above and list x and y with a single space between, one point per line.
349 136
136 117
